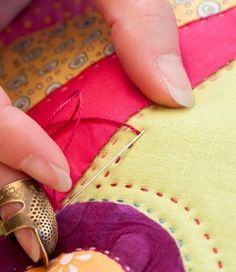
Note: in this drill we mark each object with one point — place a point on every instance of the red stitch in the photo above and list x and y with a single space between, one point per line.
98 186
220 265
159 194
197 221
140 115
118 160
104 155
114 141
83 181
94 167
107 174
173 199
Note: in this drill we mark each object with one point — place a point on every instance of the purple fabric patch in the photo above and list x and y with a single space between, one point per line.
128 234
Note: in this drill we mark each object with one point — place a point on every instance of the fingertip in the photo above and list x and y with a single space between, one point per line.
64 182
46 172
26 236
30 244
145 36
175 80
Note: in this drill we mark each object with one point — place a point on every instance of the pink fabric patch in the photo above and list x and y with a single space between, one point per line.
208 45
41 14
98 102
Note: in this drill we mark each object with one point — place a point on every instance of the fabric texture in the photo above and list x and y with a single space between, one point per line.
43 13
65 51
129 237
181 173
35 65
83 115
208 45
187 11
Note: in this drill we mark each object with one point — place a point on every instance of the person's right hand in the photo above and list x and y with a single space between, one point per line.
26 149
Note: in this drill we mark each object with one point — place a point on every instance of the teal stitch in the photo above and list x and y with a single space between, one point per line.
172 230
187 258
180 243
162 221
136 204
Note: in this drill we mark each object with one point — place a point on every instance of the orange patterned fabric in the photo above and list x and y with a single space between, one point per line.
81 261
187 11
35 65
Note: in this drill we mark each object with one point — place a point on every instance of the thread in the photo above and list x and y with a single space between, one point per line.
55 128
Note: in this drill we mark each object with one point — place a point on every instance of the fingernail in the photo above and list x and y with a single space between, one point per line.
35 253
174 76
46 173
63 178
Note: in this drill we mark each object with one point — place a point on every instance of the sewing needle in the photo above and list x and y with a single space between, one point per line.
102 170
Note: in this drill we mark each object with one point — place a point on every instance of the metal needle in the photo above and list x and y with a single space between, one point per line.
101 171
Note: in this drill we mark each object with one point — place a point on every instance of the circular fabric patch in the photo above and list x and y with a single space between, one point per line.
130 237
81 261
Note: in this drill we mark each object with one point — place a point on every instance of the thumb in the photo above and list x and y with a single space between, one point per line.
145 36
26 237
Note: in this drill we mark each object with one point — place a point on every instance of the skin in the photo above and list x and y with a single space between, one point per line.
145 36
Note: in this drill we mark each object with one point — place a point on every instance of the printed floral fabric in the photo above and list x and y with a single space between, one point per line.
81 261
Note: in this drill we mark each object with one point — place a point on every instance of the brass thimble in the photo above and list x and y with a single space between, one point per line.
36 213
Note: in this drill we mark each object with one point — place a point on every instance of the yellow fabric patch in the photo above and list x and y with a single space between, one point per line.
187 11
181 173
81 261
35 65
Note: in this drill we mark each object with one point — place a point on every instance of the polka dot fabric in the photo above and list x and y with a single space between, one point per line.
34 66
44 13
187 11
41 14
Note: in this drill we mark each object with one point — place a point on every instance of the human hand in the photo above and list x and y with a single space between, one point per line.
25 149
145 36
